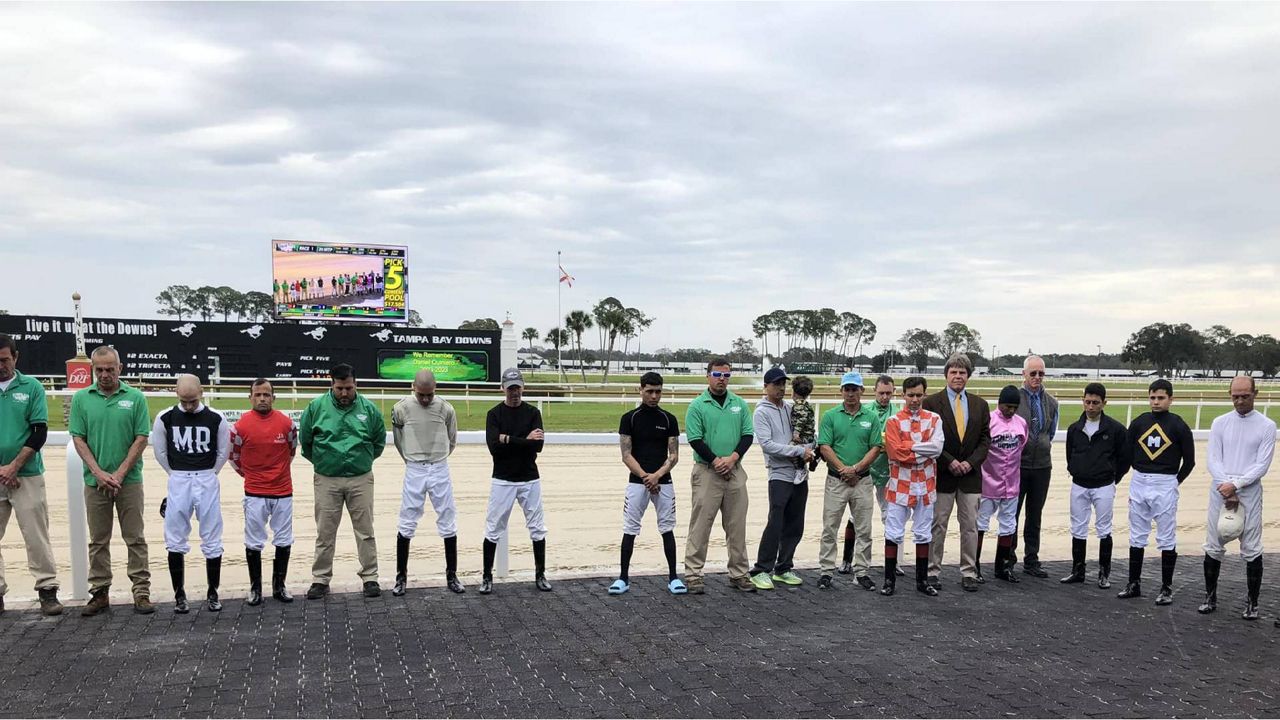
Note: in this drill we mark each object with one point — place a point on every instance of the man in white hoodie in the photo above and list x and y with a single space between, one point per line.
787 465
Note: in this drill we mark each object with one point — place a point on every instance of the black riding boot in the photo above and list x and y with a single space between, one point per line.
253 560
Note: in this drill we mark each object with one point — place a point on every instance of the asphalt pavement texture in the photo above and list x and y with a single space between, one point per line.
1036 649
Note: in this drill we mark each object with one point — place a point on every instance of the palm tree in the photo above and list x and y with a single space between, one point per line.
761 327
578 322
611 319
530 334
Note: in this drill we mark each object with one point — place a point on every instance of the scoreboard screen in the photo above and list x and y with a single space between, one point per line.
340 281
403 364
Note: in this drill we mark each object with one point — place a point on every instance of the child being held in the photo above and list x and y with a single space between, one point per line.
802 416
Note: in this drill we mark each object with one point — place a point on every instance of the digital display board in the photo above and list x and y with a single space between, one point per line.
247 350
467 366
340 281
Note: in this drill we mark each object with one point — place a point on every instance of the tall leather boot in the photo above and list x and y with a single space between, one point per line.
1104 562
1078 548
540 565
1211 569
890 568
213 571
486 580
1134 588
177 569
402 565
451 564
1004 567
1168 561
253 561
279 571
1253 579
922 570
846 567
977 558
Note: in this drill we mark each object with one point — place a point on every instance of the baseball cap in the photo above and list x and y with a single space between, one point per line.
773 375
853 377
512 376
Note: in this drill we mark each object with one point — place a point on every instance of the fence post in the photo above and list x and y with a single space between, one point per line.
76 519
1199 407
1128 417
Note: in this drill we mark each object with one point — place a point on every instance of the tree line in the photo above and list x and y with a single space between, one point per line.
611 320
1176 350
790 336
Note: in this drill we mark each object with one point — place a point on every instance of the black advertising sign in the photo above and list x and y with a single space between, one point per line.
247 350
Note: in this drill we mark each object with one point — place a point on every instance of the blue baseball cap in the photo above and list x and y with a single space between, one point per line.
774 375
853 377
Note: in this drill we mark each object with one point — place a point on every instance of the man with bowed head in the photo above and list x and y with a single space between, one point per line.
966 422
913 440
342 433
263 444
1241 445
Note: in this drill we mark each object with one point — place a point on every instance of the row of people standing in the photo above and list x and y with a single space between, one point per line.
906 452
935 456
341 433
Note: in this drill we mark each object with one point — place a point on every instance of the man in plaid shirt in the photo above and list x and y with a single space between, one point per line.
913 441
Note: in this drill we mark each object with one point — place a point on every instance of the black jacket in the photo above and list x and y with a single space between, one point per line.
1101 460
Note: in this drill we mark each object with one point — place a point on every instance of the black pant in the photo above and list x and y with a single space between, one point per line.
785 527
1033 492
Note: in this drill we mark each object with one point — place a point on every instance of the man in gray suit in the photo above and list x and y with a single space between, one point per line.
966 425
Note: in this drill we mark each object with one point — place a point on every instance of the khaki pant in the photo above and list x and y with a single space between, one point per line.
966 505
101 510
713 494
28 503
860 499
356 493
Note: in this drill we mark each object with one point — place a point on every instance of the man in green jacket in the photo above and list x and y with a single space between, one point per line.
342 433
719 428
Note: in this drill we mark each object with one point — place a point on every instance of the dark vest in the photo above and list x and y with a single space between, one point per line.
191 438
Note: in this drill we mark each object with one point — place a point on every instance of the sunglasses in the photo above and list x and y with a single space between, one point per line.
1036 373
718 374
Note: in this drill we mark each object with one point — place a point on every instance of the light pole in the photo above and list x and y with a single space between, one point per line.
993 359
1098 374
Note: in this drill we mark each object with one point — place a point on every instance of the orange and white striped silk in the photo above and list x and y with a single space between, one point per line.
913 479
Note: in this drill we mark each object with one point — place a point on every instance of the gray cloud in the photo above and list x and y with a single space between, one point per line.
1054 175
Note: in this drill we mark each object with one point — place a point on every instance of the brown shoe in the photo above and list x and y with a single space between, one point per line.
743 583
49 604
142 605
695 585
97 603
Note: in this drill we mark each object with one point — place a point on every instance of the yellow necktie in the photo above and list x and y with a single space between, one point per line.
960 420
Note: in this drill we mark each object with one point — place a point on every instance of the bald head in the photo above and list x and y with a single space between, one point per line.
106 368
424 387
189 392
1243 393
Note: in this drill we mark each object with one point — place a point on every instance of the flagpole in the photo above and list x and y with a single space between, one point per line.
559 319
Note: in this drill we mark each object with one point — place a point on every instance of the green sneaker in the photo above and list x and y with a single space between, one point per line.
762 581
789 578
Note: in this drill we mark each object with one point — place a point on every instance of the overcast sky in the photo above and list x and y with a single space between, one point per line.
1055 176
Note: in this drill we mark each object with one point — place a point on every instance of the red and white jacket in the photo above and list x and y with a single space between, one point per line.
913 444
